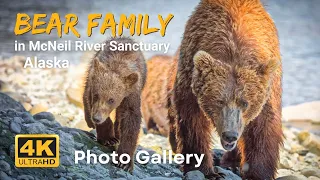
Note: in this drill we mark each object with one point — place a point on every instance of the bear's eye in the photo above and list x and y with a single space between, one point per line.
244 103
110 101
220 103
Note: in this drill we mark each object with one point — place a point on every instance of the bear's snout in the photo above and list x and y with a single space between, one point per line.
97 119
229 140
230 136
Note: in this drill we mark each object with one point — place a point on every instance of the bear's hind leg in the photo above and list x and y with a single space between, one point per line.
172 128
172 138
260 144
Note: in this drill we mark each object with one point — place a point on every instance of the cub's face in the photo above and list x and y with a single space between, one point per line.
107 92
230 96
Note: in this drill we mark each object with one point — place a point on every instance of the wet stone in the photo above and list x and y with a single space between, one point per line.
15 127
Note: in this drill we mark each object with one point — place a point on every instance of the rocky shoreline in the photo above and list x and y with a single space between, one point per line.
56 107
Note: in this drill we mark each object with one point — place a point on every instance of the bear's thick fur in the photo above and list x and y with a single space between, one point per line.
157 93
115 81
229 77
154 95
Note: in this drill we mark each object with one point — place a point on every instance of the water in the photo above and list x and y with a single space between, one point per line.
297 22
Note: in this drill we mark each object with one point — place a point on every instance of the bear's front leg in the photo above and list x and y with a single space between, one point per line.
231 160
105 133
260 144
194 137
129 114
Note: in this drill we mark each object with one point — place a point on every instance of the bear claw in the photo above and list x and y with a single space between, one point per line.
109 142
125 167
217 174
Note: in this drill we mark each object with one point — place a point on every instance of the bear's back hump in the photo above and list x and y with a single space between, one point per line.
232 31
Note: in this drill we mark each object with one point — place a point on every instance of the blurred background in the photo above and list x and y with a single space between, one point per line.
59 91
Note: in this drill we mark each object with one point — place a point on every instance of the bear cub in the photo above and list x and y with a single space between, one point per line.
114 81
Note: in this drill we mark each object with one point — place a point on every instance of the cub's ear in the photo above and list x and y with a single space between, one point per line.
131 79
269 68
97 64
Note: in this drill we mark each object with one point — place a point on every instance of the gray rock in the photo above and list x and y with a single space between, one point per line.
78 146
153 167
71 139
60 169
35 128
3 132
66 160
56 175
292 177
15 127
4 166
27 117
160 178
310 157
2 152
4 176
11 151
286 163
18 120
62 178
44 115
76 134
6 121
9 173
25 177
138 172
177 172
50 123
11 113
313 178
122 173
228 175
191 175
6 102
311 172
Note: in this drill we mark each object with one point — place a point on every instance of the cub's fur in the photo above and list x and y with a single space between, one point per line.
115 81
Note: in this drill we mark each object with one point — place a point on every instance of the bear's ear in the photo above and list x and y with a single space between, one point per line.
269 68
203 60
131 79
97 64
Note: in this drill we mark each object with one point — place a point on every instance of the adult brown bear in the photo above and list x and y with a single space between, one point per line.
229 76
